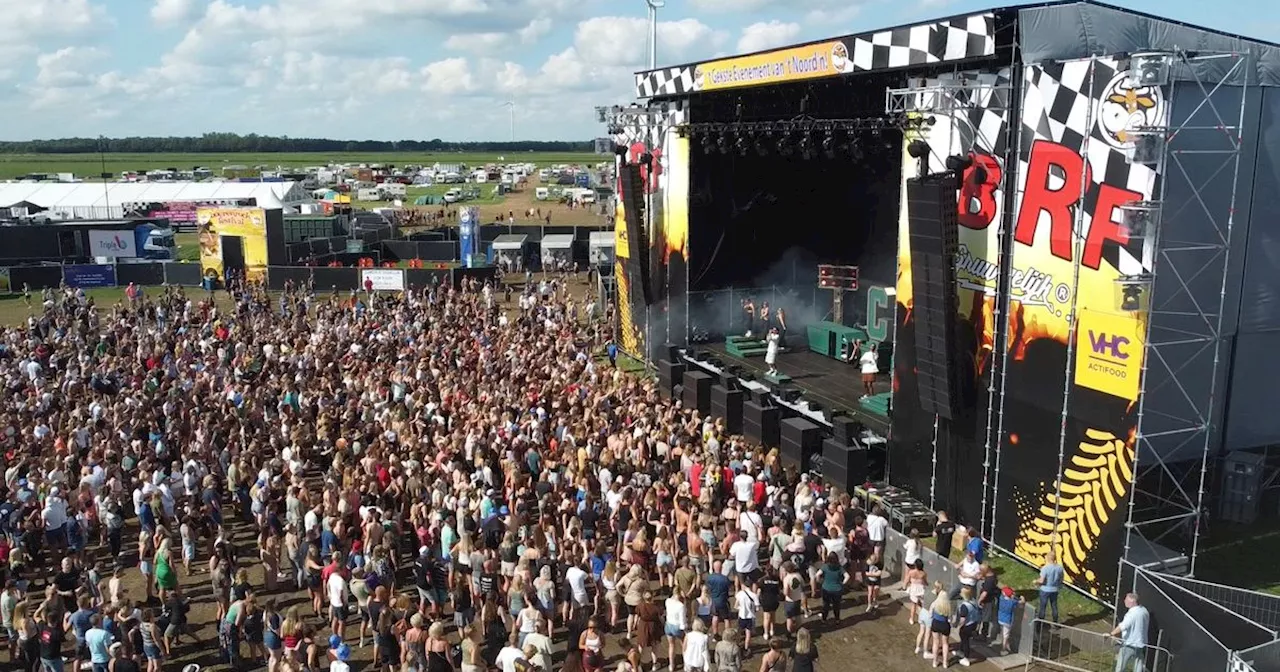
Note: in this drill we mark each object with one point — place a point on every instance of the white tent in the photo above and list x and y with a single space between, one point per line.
510 241
557 251
98 200
509 251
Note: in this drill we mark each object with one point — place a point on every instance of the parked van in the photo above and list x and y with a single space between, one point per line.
453 196
542 193
368 195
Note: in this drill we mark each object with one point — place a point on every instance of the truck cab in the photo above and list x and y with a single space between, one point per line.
155 243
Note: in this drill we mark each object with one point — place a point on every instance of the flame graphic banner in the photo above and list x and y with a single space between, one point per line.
1068 478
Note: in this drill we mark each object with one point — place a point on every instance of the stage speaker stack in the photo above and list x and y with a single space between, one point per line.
670 374
727 403
632 182
934 240
760 422
844 465
801 440
697 391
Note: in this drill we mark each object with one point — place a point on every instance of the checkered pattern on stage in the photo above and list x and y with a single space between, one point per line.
955 39
1061 103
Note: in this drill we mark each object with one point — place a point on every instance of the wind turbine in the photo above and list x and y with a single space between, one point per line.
510 105
654 6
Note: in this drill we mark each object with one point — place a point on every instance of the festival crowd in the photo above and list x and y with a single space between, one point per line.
444 478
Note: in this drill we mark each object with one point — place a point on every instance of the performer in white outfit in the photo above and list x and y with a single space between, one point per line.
771 352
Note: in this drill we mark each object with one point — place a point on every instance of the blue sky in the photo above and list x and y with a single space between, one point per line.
392 69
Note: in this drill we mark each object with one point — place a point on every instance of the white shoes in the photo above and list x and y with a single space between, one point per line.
927 656
964 662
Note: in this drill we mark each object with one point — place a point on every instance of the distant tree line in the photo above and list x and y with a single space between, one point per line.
212 143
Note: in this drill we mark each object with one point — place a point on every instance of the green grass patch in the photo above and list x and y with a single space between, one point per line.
1242 555
90 165
188 246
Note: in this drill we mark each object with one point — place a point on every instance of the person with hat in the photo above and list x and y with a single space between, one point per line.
1006 609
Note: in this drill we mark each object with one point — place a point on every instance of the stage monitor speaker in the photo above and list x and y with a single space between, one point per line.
697 391
760 423
801 440
673 353
845 429
631 180
727 403
934 241
669 373
843 465
1242 481
728 380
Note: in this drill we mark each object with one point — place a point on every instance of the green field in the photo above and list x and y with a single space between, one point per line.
90 165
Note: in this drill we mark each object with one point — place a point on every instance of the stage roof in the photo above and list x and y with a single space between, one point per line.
1055 31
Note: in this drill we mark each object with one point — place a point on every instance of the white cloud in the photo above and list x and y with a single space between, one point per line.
452 75
761 36
170 12
737 6
536 30
31 25
479 43
624 40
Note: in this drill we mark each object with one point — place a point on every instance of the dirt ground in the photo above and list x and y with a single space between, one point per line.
518 203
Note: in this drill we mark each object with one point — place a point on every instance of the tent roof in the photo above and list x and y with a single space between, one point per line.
509 241
603 239
98 194
557 241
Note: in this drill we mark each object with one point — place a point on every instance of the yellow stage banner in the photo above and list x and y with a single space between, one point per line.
247 224
1109 349
824 59
621 240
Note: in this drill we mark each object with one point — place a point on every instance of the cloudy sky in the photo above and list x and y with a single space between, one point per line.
392 69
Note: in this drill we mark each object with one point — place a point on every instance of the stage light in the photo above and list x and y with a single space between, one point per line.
722 143
786 145
1132 300
829 145
958 163
742 144
763 143
806 145
918 149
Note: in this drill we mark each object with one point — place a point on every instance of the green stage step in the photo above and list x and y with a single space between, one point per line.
825 337
742 346
877 404
778 379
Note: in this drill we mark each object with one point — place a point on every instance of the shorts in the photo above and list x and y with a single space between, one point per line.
152 652
814 573
1006 629
746 624
751 576
791 609
508 569
665 559
145 568
56 537
338 613
940 627
722 611
673 630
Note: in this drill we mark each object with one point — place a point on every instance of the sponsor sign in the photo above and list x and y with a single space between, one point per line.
89 275
775 67
382 280
468 224
112 244
182 214
247 224
1109 353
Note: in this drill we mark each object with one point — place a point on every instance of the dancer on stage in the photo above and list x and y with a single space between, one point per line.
749 307
771 352
870 362
781 317
765 326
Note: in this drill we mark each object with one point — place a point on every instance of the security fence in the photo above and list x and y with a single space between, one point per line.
1063 647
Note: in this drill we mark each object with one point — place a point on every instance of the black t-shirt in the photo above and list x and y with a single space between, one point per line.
422 572
51 638
66 582
805 662
589 517
944 532
770 590
989 589
812 548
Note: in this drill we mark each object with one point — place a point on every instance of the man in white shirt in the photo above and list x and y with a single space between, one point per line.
750 523
577 580
508 656
970 570
746 561
337 587
870 364
877 526
742 484
1132 633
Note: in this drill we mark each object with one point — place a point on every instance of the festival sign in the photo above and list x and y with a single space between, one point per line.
1069 249
247 224
793 64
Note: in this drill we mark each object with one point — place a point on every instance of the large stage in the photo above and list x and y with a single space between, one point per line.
834 384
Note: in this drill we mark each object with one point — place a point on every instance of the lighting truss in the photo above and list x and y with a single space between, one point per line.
1177 414
850 126
947 97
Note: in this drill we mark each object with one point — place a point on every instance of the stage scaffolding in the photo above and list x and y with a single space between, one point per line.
1193 209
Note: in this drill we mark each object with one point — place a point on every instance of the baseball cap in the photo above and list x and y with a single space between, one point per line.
1007 591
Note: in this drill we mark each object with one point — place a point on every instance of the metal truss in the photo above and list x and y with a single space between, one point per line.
1177 426
947 97
619 117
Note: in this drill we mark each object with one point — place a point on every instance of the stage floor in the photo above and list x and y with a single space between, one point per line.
829 382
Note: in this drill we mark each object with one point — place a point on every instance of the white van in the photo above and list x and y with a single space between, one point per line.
542 193
368 195
453 196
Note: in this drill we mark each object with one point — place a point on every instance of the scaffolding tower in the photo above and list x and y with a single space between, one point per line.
1187 226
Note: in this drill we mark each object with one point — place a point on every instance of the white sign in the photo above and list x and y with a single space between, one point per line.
112 244
382 279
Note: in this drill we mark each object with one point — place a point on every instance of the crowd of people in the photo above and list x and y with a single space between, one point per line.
445 478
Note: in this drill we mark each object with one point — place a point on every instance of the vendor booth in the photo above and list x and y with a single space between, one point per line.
600 248
510 252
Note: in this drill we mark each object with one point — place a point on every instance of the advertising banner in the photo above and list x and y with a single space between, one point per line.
112 244
382 279
249 225
182 214
1069 249
980 132
468 226
89 275
792 64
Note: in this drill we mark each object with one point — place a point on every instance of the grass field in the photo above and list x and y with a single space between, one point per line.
84 165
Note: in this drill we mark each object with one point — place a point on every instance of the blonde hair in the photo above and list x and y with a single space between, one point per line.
804 641
941 606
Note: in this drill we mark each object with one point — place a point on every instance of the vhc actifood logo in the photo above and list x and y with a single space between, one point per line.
1113 347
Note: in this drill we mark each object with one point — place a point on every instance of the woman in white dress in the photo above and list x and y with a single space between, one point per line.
771 352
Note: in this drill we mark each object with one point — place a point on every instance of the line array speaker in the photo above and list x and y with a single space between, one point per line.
670 373
760 423
632 183
843 465
727 403
934 242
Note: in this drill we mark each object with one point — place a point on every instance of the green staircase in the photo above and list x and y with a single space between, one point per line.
825 337
779 379
745 347
877 404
